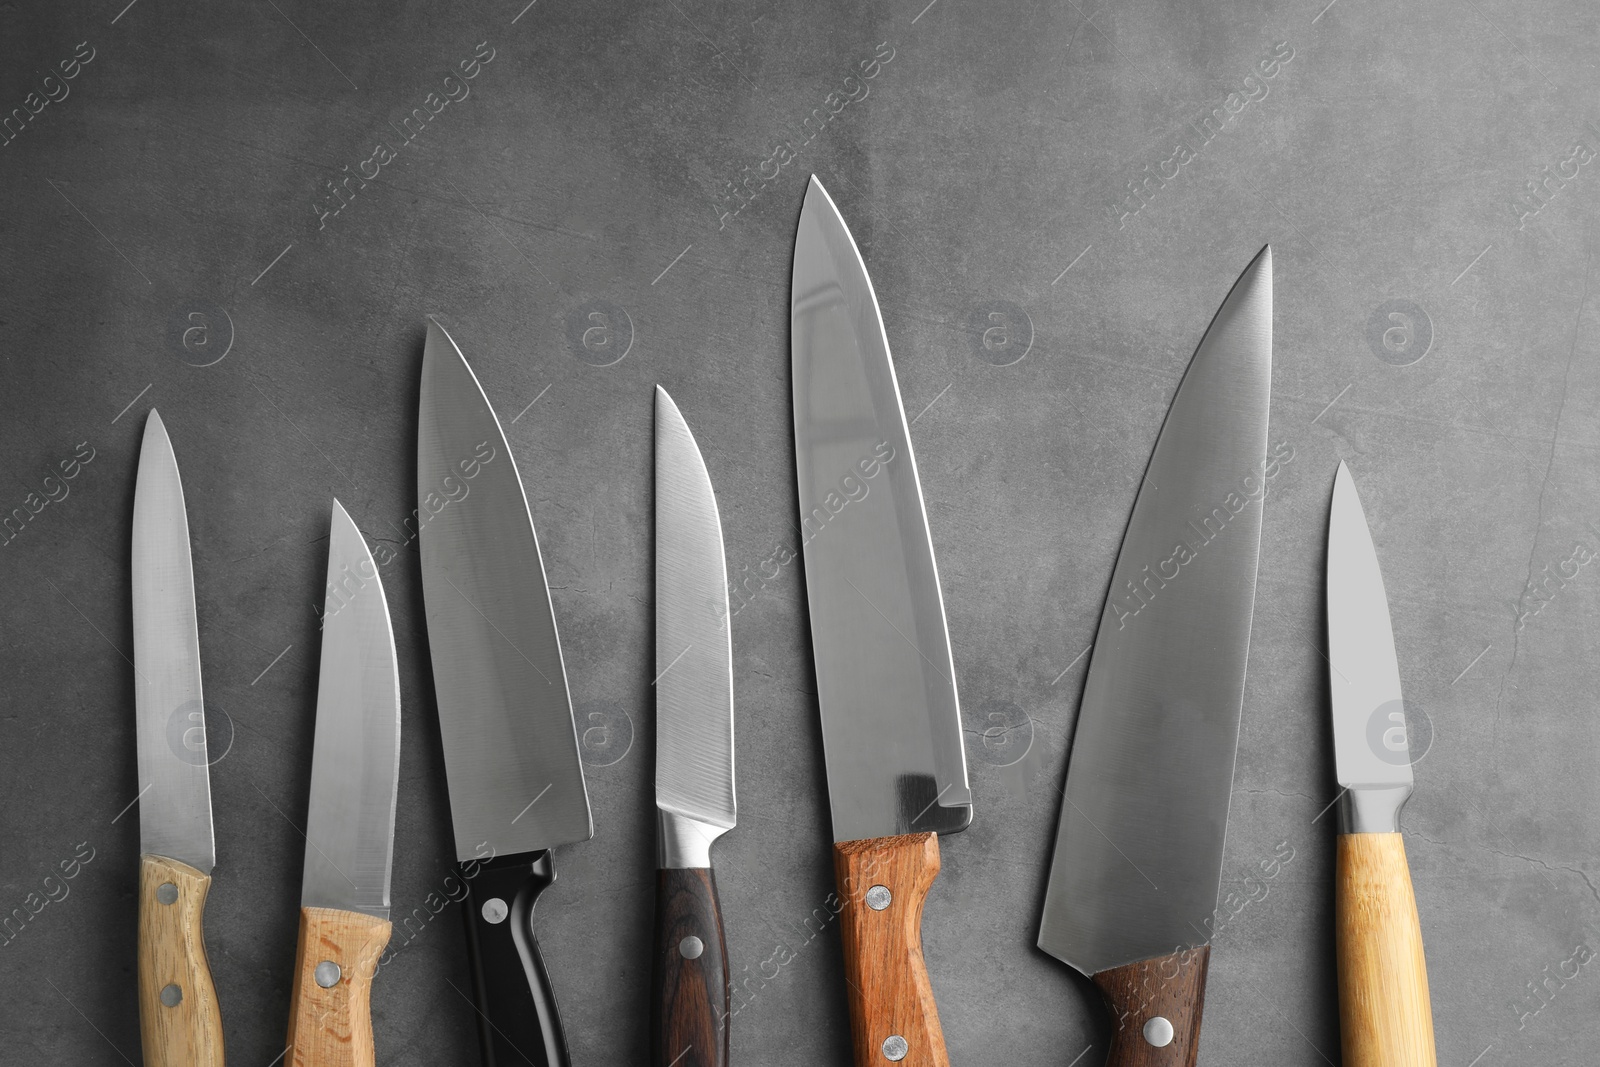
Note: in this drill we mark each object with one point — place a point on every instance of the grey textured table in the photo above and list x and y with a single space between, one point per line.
622 180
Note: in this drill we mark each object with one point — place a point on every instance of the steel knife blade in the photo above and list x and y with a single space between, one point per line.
695 801
355 776
1138 855
1386 1019
510 744
179 1019
886 685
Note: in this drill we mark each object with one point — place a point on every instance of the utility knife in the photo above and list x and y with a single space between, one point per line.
886 685
695 802
355 774
1132 894
179 1021
1385 1018
510 744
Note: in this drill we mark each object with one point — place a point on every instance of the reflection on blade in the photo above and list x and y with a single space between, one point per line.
355 767
174 783
885 679
1139 847
510 746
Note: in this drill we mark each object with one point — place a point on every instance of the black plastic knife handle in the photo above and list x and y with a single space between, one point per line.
518 1021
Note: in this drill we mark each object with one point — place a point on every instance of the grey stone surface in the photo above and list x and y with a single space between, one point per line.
180 175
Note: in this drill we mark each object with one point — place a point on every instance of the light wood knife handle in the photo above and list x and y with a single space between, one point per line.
882 883
1385 1019
179 1021
330 1007
1155 1006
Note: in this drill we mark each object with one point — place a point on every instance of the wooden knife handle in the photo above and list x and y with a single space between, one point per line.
1155 1009
689 1001
519 1023
179 1021
882 884
330 1007
1385 1019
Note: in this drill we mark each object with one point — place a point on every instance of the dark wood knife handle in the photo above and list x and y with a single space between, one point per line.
882 884
1155 1009
518 1021
690 994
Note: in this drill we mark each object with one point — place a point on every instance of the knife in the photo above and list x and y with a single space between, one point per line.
694 753
886 688
179 1021
510 744
355 772
1384 1014
1138 856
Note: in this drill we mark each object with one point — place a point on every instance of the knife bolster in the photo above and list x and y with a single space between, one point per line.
1155 1008
1372 809
682 842
330 1006
179 1022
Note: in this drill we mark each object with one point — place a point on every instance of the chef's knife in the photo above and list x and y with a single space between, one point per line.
510 744
1138 855
1384 1014
886 687
355 770
694 753
178 1016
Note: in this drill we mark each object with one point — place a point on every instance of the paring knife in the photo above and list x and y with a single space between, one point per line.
355 772
178 1016
1385 1018
510 744
694 753
886 687
1138 856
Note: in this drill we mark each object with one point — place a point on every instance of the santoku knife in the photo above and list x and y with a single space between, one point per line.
694 753
510 745
178 1015
355 770
886 687
1138 855
1385 1019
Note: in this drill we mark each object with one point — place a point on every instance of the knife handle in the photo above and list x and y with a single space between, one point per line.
690 994
882 883
330 1007
179 1021
1385 1018
1155 1007
518 1021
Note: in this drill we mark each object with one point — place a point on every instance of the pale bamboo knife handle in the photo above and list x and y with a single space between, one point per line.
179 1021
1385 1018
330 1007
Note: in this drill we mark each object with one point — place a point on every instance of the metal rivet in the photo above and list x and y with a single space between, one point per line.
894 1046
172 995
495 911
327 974
167 893
1158 1032
878 898
691 947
